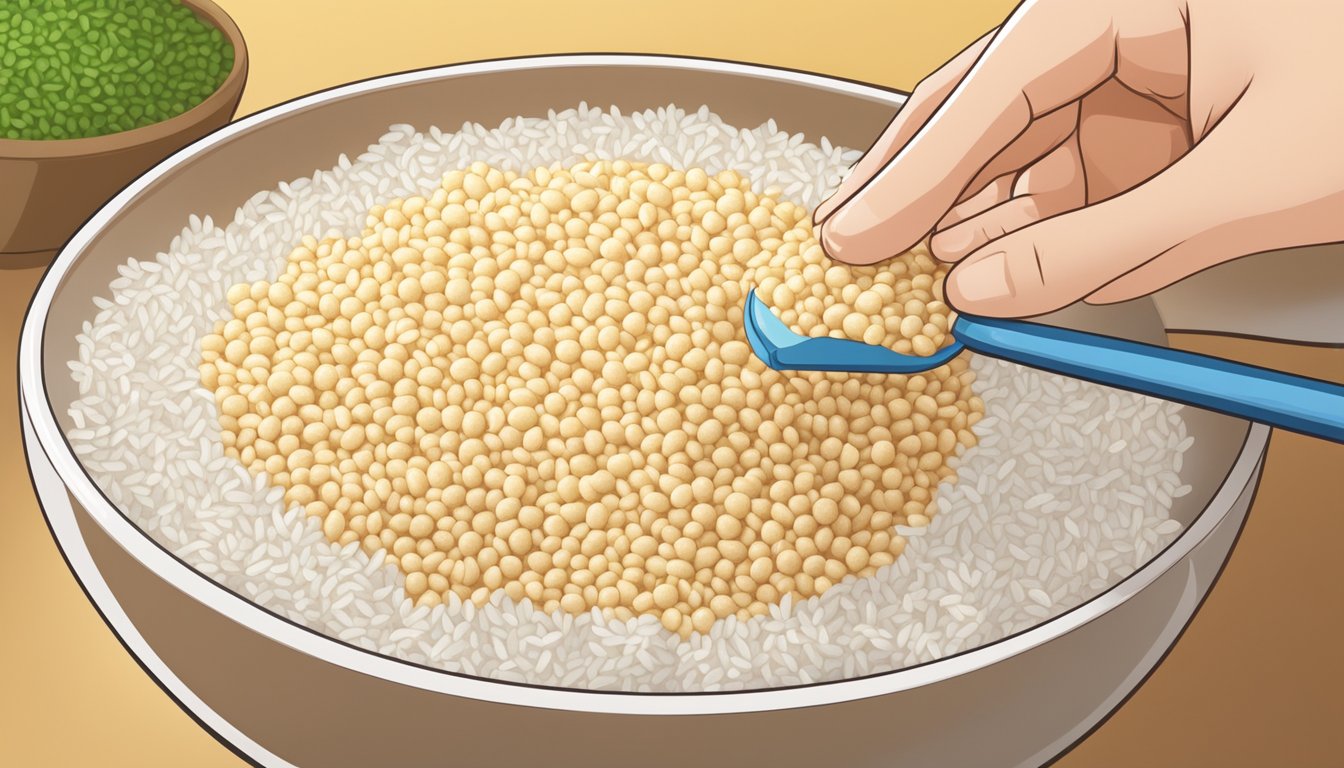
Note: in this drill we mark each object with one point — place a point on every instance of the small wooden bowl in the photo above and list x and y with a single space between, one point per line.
52 187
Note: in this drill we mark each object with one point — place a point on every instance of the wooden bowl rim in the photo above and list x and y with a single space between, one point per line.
221 98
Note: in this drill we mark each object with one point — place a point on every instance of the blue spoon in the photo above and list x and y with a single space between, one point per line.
1297 403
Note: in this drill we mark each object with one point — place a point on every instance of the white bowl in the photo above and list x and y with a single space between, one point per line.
281 694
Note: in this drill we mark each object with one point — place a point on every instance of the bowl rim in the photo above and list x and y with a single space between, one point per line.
88 146
39 411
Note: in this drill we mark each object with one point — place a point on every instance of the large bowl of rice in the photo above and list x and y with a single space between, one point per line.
1081 531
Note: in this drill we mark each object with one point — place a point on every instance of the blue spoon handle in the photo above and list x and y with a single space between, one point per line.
1296 403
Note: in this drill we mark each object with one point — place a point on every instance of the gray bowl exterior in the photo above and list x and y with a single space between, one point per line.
279 694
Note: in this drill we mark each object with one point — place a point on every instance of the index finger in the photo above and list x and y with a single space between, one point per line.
926 98
1046 55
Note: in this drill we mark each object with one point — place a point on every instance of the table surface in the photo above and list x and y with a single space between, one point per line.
1252 683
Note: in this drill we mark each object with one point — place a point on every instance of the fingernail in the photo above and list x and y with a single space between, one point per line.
855 217
951 244
985 279
825 237
819 213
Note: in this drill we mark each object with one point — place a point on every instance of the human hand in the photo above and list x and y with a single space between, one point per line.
1103 149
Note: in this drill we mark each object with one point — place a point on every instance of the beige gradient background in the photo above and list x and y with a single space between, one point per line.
1255 681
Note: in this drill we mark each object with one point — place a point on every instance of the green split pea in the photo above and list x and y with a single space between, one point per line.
73 69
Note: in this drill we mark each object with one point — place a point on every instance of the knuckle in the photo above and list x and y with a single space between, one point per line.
1033 268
